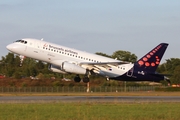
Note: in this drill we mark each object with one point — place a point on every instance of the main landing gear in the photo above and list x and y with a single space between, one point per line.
85 80
78 79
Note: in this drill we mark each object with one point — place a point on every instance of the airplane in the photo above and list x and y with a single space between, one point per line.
66 60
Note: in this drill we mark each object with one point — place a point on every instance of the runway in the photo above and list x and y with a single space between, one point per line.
100 99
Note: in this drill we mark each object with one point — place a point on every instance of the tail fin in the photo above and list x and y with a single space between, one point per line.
152 59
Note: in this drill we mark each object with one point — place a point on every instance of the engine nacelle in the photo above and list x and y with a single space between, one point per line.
55 68
67 67
73 68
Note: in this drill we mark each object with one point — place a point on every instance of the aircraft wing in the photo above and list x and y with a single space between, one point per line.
104 63
100 66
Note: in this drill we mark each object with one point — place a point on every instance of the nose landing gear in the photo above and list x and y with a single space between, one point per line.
21 60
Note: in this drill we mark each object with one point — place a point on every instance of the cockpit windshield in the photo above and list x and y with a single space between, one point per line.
21 41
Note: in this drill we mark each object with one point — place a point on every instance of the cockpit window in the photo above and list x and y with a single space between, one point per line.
18 40
22 41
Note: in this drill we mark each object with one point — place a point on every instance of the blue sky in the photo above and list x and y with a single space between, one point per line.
94 25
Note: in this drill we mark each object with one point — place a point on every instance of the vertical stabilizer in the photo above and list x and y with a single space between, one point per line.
151 60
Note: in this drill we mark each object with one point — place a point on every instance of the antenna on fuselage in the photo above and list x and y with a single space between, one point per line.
42 39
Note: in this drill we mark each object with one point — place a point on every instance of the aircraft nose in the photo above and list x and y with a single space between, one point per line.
10 47
16 48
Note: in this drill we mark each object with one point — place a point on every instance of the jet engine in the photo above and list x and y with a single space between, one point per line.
56 69
73 68
67 67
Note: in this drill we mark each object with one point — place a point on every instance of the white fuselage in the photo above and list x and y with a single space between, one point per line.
53 54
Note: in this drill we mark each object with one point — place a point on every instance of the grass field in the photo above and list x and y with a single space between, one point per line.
90 111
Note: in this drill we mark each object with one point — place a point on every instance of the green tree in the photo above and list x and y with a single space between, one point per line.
171 67
7 65
176 75
162 68
103 54
171 64
40 65
124 56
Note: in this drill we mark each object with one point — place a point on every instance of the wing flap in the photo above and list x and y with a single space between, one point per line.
104 63
101 66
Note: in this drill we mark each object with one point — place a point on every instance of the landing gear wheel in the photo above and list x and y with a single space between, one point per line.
86 79
77 78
